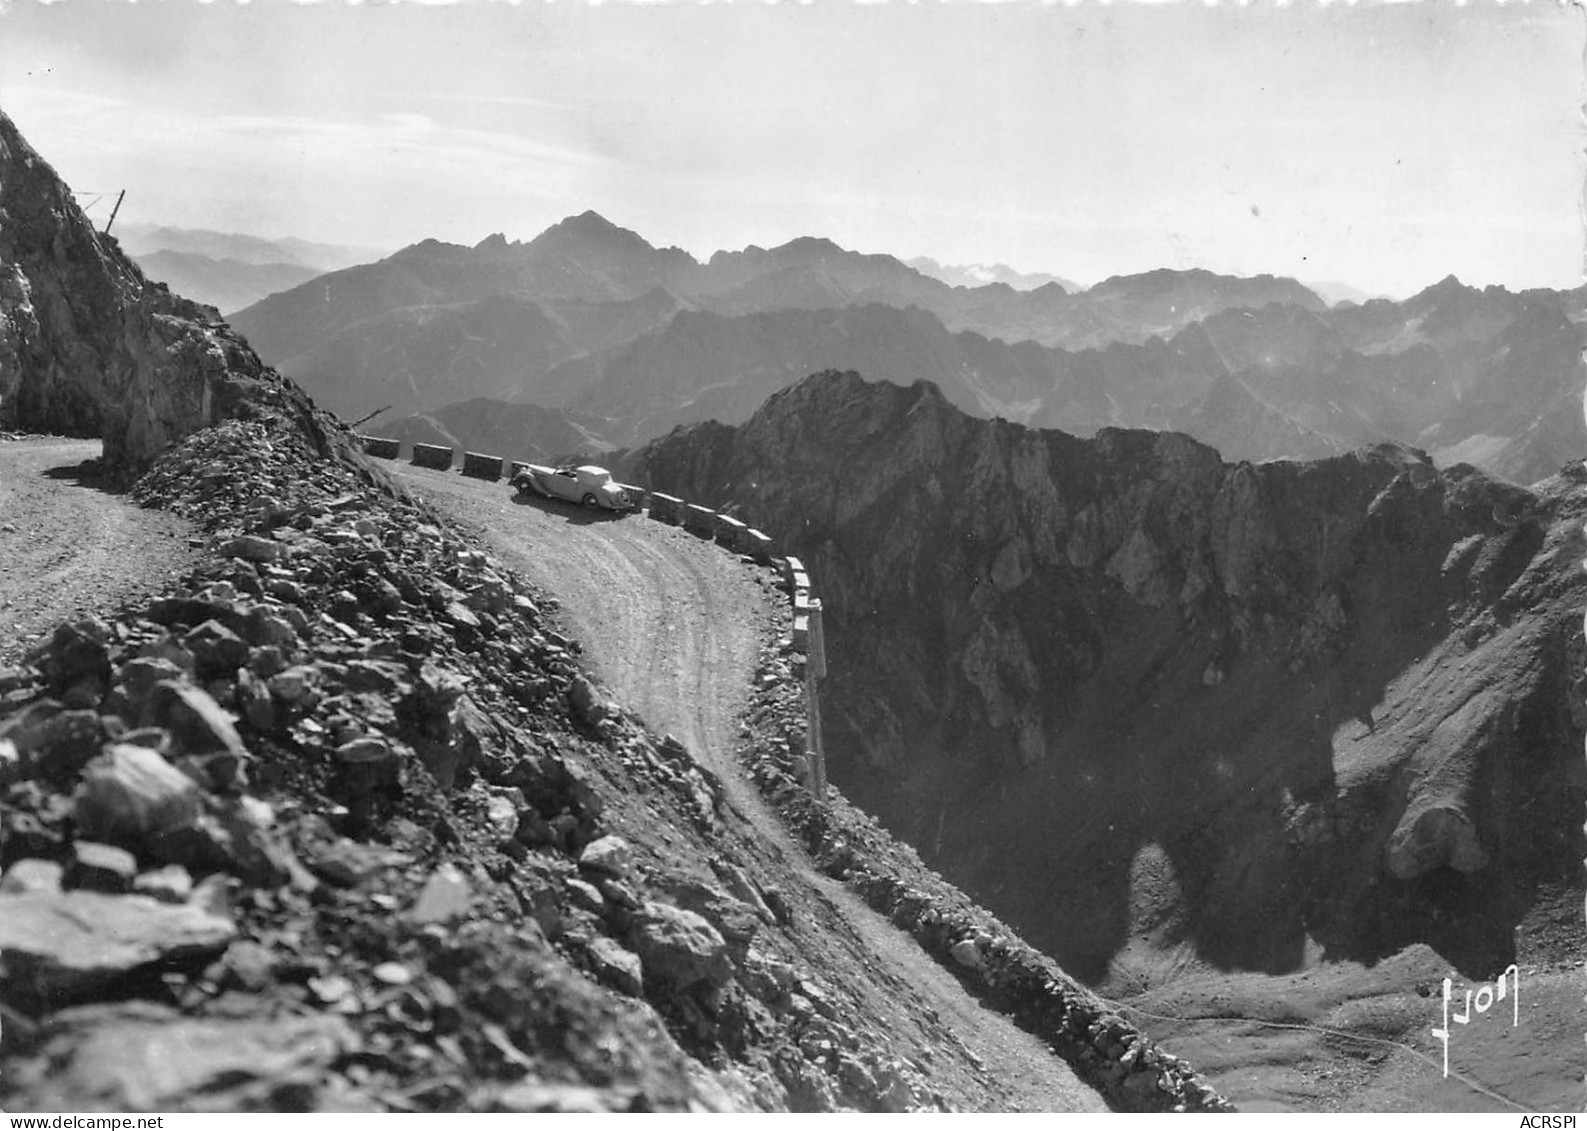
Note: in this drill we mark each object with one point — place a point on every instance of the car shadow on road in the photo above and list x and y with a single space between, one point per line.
88 473
571 513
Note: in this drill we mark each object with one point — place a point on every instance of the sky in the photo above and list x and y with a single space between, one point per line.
1381 145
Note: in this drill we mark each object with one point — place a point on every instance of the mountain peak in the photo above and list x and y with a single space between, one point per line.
590 229
811 245
588 223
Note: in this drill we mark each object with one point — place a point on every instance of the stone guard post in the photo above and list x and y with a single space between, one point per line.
815 671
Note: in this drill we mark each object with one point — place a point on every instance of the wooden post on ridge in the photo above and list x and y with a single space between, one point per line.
119 198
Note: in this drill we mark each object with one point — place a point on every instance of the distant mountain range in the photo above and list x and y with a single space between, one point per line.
145 239
592 317
230 271
979 275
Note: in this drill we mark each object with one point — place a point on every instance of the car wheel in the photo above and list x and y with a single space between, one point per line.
590 500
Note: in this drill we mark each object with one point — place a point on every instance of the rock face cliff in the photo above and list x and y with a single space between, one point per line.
1121 689
89 347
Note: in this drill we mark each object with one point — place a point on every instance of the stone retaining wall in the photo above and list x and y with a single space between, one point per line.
730 532
381 447
478 466
758 546
432 455
666 508
699 520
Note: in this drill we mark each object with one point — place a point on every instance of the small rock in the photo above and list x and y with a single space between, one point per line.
330 989
587 896
967 954
32 874
445 897
392 974
12 767
586 702
490 597
284 589
170 884
247 965
616 965
68 741
69 944
609 855
227 839
680 946
101 867
739 883
562 1099
350 863
266 660
196 722
268 629
136 1056
130 792
735 919
502 815
75 652
619 893
217 649
252 548
27 729
292 685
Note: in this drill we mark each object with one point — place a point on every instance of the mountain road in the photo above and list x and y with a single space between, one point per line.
673 625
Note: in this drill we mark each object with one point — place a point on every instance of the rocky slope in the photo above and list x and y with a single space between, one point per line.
89 347
1119 689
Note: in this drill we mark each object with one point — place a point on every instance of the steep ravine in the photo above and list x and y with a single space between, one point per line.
1167 713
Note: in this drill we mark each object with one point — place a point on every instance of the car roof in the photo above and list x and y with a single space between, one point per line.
591 469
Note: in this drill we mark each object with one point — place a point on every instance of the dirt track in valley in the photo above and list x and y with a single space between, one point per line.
68 547
673 625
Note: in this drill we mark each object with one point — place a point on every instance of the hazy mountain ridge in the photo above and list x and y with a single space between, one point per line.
225 284
139 240
601 320
590 259
980 274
